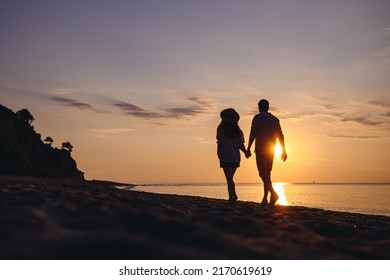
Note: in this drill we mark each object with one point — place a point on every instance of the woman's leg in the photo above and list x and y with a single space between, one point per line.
229 174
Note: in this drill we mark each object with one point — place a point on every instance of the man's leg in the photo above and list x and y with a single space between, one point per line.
262 168
264 165
266 178
274 196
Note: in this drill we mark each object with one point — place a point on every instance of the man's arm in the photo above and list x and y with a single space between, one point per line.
252 135
281 142
250 142
284 153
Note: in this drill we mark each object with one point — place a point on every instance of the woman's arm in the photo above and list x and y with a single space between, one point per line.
242 146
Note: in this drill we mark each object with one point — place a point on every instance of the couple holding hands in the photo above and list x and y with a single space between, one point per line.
265 131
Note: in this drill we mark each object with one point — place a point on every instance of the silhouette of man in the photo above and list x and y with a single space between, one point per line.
266 130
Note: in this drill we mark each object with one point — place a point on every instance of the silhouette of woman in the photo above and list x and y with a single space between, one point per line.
230 140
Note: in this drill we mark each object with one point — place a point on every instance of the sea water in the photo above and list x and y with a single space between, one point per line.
367 198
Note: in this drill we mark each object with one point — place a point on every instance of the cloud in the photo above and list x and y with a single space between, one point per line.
325 103
362 120
198 108
136 111
353 136
383 54
274 110
69 102
373 113
297 116
60 90
108 132
183 112
368 113
379 104
201 106
72 103
199 101
6 85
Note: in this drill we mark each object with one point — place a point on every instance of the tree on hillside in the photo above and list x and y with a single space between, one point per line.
48 140
67 146
25 115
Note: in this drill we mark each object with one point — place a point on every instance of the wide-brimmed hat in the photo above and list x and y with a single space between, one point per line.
230 115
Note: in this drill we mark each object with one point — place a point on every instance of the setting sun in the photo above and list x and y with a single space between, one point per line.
278 149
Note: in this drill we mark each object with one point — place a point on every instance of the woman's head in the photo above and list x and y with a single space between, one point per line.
229 123
230 116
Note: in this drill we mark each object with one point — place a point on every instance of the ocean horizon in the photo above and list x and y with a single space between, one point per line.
362 198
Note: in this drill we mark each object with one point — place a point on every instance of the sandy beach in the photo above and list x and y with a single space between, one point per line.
67 219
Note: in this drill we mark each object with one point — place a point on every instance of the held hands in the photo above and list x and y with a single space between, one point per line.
248 154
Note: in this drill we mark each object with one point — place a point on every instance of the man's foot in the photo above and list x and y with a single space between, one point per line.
274 198
264 202
233 199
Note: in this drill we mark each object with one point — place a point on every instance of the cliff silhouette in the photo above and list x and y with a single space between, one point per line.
22 152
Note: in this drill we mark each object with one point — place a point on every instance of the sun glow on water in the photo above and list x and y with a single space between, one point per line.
279 188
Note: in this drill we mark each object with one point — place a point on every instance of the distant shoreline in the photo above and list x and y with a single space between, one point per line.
260 183
71 181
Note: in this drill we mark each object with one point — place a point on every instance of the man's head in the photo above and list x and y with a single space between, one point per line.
263 105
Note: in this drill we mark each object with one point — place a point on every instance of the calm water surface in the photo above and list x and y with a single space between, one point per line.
356 198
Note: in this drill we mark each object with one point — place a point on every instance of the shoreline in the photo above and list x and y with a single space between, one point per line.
351 198
70 219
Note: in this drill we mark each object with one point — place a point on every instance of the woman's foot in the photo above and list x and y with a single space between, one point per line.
264 202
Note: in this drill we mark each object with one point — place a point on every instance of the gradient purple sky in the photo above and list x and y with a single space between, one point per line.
137 86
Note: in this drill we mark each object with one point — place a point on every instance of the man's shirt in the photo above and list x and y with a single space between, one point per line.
265 130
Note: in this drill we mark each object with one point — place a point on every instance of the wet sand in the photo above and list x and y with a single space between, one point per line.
65 219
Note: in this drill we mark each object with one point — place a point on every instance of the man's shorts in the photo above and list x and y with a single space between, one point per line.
264 162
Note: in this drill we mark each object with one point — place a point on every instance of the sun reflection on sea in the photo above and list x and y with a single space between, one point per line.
279 188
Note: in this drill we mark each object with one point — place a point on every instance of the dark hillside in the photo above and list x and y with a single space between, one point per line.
22 152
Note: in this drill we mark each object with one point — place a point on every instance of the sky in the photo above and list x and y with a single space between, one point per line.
137 86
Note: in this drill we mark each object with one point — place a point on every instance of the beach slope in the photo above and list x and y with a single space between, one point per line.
65 219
